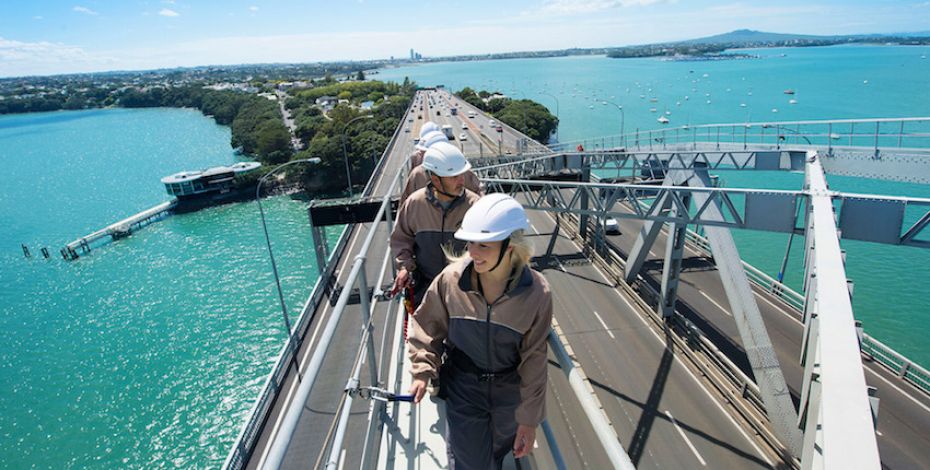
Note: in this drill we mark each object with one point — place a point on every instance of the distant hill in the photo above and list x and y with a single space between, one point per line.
751 36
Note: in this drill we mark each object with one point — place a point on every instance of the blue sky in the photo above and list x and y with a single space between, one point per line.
50 36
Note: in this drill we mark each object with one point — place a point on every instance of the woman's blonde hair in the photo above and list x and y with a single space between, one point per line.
519 257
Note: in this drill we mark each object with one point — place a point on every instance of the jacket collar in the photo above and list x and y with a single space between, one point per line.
431 197
467 267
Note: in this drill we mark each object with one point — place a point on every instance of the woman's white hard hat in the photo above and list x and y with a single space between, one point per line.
431 138
444 159
428 126
492 218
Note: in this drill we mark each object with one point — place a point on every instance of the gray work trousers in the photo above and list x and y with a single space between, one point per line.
481 426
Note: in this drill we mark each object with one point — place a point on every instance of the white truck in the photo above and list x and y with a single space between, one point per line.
447 130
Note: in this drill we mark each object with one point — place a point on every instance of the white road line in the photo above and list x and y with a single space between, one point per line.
678 360
534 228
611 333
892 385
715 303
685 437
778 308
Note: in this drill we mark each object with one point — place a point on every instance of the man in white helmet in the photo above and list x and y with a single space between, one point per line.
416 158
419 177
427 219
485 320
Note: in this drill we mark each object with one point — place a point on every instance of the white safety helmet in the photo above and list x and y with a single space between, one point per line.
444 159
431 138
492 218
428 126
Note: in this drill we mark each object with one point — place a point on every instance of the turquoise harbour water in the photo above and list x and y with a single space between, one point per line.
829 83
150 351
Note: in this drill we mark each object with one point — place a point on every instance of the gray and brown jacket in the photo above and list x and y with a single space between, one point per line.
423 227
510 332
419 178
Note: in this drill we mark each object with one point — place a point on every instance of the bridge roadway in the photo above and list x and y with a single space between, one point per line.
904 411
665 416
662 412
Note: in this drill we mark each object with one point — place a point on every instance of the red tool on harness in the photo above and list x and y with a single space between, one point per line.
408 308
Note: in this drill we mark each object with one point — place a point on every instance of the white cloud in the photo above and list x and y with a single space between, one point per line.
84 10
37 58
167 12
38 17
572 7
253 8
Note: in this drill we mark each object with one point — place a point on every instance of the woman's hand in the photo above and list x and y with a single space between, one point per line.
418 389
523 443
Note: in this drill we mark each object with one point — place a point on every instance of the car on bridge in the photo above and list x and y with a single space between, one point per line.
611 226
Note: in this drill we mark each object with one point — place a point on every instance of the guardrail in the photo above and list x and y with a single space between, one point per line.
248 436
875 349
877 133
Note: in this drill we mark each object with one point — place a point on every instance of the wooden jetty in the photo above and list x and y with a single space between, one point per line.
121 229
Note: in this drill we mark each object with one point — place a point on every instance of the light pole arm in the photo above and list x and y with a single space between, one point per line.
274 266
345 153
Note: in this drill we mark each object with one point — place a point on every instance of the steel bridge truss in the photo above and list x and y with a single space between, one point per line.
837 415
873 218
911 166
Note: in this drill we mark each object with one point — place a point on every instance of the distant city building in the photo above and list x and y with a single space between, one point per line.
413 54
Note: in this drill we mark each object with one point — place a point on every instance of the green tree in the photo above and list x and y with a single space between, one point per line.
360 76
532 118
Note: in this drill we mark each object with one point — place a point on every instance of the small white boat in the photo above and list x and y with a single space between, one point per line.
662 120
678 103
668 113
774 110
792 101
686 97
742 105
705 75
865 82
653 100
708 101
652 110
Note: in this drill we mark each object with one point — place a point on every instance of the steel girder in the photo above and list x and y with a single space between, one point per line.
835 407
866 217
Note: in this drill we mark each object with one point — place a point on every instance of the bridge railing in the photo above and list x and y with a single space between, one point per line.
245 443
877 134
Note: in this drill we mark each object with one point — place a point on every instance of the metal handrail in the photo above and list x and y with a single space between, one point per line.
292 416
874 133
248 435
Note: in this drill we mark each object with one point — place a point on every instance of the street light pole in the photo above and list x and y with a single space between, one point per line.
274 266
622 119
345 154
556 111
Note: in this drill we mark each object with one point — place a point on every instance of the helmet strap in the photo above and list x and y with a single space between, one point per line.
440 191
500 257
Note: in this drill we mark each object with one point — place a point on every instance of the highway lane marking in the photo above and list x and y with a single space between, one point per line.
780 309
715 303
611 333
888 382
892 385
681 363
685 437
